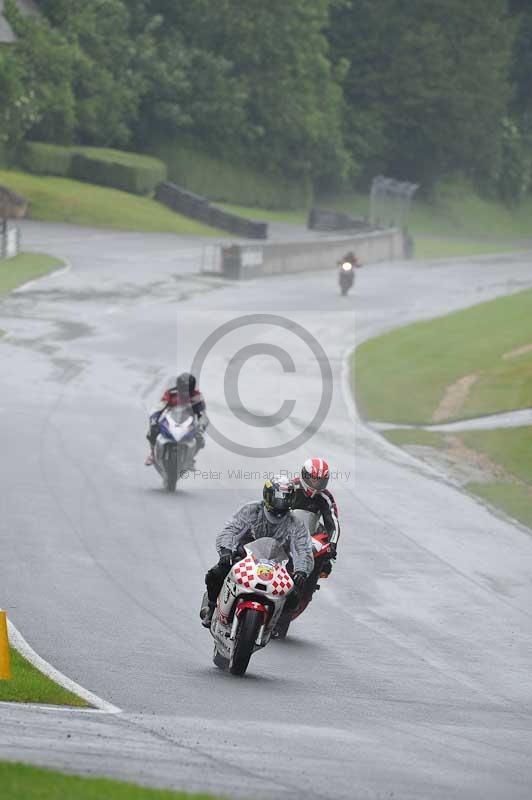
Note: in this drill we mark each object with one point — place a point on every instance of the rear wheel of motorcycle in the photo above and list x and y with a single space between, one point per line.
246 636
171 469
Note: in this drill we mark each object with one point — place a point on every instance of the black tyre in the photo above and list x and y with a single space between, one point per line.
171 468
283 623
246 636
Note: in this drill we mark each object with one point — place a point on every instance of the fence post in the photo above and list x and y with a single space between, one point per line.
5 666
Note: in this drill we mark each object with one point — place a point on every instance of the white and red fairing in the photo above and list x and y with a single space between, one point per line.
255 583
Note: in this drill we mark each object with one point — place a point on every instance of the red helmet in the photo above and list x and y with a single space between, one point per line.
314 476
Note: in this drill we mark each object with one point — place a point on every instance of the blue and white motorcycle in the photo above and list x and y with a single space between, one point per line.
175 445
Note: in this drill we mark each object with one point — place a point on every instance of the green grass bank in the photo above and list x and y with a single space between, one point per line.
405 376
21 782
25 267
464 365
28 685
54 199
502 454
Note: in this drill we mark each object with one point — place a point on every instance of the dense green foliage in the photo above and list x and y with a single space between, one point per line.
327 90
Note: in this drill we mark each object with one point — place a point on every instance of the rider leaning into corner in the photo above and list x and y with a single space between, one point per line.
183 394
271 517
311 494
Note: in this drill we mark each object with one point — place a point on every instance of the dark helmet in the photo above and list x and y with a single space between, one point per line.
278 494
185 384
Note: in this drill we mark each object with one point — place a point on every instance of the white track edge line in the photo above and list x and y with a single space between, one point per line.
20 644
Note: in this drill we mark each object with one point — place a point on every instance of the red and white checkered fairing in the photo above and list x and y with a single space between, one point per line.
244 572
282 582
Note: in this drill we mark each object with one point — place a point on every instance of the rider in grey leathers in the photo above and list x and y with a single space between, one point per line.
271 517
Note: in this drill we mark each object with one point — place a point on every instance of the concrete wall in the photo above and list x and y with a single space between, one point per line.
249 261
325 254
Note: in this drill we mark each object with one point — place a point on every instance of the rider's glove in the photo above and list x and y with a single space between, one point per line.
239 553
226 558
299 579
326 569
332 551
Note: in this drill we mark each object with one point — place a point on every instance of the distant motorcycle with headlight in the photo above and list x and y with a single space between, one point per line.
346 277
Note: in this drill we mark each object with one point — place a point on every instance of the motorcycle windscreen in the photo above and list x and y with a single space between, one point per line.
181 414
268 549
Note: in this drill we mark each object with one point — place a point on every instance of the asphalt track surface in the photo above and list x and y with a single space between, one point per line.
410 674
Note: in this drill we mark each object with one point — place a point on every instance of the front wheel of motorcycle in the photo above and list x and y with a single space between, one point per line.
171 469
246 636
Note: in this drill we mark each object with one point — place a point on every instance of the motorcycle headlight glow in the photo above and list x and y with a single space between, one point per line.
346 266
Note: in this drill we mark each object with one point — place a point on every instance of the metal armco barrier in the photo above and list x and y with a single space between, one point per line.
251 261
9 240
192 205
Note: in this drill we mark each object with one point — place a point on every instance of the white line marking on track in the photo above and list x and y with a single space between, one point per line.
19 643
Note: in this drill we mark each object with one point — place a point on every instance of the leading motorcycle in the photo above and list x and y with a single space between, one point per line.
249 605
175 445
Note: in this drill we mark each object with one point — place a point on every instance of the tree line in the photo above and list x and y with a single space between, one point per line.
334 90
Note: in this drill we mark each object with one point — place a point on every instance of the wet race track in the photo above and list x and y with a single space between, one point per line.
410 674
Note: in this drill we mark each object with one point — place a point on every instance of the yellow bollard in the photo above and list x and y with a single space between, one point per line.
5 667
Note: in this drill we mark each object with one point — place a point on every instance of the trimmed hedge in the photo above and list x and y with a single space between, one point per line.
121 170
132 177
222 181
45 159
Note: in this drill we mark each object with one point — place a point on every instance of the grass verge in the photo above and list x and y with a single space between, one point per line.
457 213
20 782
512 498
28 685
432 247
506 448
401 437
55 199
403 375
25 267
266 215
